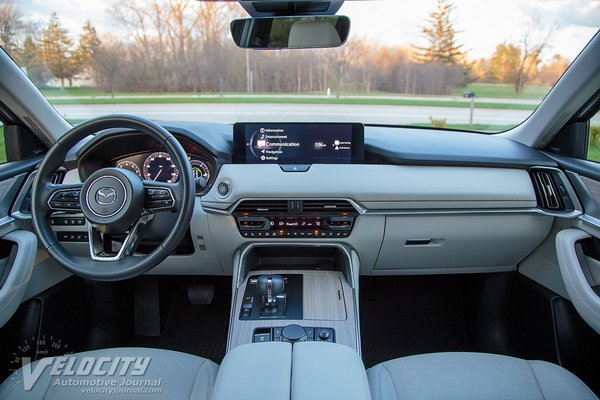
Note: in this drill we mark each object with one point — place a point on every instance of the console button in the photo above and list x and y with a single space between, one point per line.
294 167
324 334
262 337
310 333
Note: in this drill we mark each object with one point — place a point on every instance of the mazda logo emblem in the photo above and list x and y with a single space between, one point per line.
106 196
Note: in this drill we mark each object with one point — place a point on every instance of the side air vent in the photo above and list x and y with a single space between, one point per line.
58 177
320 206
546 190
262 206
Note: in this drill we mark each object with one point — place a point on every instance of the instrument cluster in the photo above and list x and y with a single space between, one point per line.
158 166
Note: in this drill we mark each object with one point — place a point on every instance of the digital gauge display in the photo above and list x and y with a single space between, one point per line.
159 167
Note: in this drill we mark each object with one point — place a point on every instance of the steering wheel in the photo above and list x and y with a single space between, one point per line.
114 201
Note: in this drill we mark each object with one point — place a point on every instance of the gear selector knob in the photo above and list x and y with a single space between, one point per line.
269 286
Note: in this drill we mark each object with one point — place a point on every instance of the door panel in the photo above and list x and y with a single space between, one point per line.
18 245
578 248
16 271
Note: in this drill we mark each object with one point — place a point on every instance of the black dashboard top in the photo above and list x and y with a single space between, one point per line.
385 145
415 146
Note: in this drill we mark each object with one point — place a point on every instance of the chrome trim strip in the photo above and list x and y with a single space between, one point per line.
229 210
364 211
6 221
239 280
130 242
588 219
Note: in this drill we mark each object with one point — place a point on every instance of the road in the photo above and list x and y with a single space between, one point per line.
230 113
299 96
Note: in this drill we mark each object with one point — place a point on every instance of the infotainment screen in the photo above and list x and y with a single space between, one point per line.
298 143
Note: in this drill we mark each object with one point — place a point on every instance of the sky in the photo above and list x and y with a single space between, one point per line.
482 24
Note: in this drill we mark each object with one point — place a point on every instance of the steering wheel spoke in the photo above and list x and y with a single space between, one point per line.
63 197
159 196
102 247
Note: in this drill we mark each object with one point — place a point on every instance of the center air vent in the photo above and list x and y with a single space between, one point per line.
262 206
317 206
547 190
295 207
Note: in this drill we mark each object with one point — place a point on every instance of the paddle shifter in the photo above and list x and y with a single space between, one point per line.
273 299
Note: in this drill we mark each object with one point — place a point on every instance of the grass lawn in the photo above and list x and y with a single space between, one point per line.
594 154
489 90
73 91
503 91
166 99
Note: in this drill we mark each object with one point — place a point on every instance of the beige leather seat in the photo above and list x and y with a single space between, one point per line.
473 376
168 375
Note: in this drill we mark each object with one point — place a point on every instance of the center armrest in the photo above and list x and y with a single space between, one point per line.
324 370
255 371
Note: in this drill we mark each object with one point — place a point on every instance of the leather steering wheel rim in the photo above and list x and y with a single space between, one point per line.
128 266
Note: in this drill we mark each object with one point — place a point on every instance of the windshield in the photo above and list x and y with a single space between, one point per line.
463 64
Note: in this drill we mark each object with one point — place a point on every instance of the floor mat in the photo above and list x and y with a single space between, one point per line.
193 329
408 315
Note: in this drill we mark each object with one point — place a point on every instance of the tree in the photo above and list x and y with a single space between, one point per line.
341 59
33 63
443 46
107 62
89 44
505 63
530 57
517 64
57 51
553 70
11 25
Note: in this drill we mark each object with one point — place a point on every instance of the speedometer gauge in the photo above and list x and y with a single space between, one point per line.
160 168
200 169
130 166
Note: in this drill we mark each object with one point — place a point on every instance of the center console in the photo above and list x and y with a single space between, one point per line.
288 290
295 293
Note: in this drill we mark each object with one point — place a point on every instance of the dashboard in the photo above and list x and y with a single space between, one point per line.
405 200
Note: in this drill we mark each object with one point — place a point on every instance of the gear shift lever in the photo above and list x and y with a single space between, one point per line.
270 286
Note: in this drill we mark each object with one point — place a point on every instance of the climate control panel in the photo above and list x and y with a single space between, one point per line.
297 219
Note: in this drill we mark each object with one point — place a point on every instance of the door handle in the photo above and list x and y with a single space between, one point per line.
580 290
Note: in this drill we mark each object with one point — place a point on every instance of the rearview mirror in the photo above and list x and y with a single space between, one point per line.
291 32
